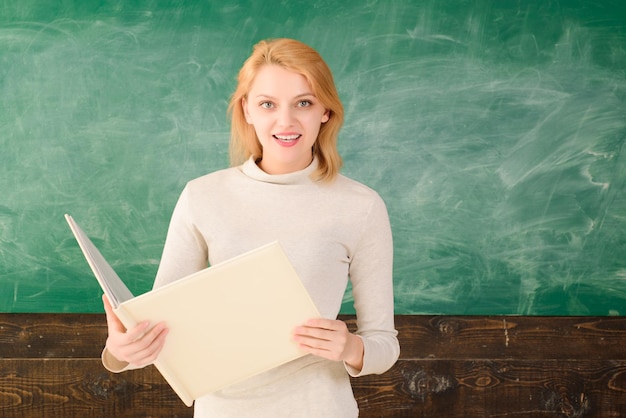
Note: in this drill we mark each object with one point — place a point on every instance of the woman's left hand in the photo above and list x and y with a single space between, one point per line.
331 340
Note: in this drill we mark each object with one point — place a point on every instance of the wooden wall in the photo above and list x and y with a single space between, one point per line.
450 366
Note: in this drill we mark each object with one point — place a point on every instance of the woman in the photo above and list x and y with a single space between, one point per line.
285 185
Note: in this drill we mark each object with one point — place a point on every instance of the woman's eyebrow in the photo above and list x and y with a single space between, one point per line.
268 96
305 94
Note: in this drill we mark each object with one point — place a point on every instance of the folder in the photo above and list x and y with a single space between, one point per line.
227 323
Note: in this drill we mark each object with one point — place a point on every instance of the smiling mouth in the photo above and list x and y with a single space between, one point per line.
287 138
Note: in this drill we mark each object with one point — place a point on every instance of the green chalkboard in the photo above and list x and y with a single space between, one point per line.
494 130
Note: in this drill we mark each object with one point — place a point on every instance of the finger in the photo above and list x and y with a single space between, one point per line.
147 350
322 328
311 334
320 338
113 322
309 344
158 331
329 324
323 323
139 333
319 348
147 340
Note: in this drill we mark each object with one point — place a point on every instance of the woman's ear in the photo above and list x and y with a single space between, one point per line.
244 106
326 116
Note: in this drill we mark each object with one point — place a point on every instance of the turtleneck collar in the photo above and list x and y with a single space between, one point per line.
252 170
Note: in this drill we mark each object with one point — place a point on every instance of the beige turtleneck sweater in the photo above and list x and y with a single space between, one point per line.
332 233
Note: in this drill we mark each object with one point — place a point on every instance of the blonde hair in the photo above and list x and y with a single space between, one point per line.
300 58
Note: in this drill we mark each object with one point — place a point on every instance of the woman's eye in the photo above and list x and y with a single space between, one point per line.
266 105
304 103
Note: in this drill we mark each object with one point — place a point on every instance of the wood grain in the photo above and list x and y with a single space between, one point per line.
449 367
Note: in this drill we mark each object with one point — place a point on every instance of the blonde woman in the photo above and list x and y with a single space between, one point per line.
284 185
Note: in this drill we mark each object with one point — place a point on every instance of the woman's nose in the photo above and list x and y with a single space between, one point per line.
285 116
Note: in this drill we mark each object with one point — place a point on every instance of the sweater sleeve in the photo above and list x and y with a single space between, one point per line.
371 271
185 250
114 365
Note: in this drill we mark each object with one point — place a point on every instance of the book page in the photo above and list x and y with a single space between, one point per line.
109 281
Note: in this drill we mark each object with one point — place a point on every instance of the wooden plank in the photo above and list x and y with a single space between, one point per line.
66 336
419 388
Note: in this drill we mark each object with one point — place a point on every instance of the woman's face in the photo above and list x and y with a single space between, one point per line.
286 117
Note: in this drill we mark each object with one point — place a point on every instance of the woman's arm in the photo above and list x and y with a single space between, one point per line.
374 348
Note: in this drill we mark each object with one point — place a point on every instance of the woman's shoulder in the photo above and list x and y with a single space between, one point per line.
350 185
354 190
214 177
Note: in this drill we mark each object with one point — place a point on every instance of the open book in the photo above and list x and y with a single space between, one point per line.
226 323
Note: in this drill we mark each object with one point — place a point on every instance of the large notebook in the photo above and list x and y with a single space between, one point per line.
226 323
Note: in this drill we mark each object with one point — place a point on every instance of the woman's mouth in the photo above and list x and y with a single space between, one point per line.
287 139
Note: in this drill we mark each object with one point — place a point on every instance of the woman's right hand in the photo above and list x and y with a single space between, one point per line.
139 346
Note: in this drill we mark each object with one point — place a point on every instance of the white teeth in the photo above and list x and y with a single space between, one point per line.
287 137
